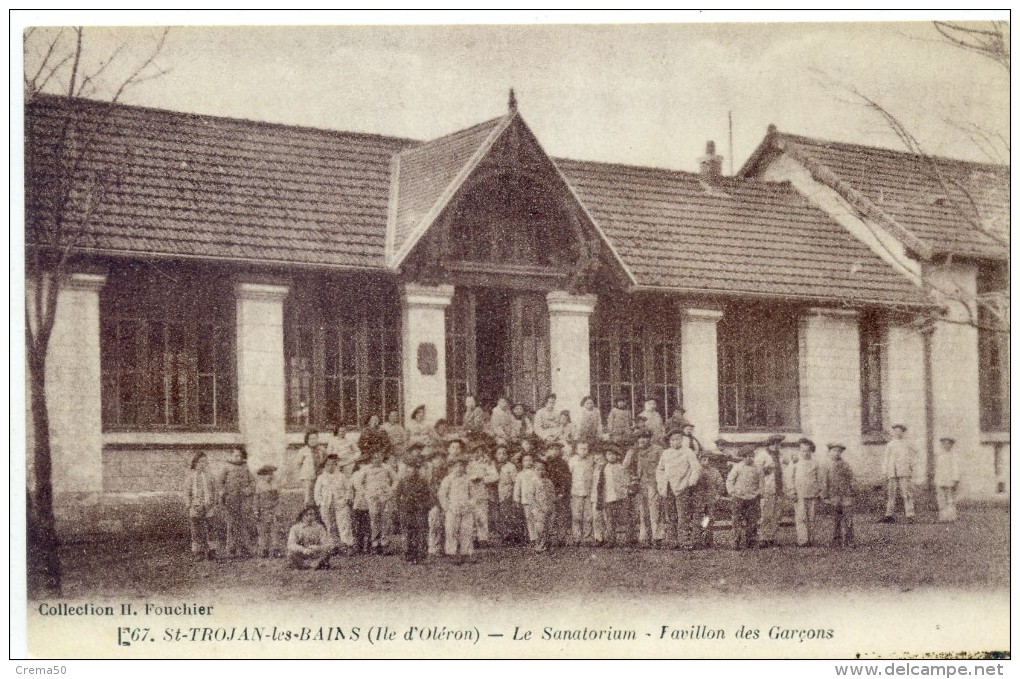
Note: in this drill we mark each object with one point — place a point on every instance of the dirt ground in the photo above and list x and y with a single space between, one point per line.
972 554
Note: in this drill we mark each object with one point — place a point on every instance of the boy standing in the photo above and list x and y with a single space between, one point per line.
947 478
614 497
237 486
839 493
267 502
706 492
620 422
523 494
201 508
558 472
744 487
376 485
541 504
582 478
458 508
332 493
675 476
475 419
769 463
308 465
900 458
414 500
484 476
807 487
646 460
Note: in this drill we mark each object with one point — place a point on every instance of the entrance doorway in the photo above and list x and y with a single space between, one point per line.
497 345
492 345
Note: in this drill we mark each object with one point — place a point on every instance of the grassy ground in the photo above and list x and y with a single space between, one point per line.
970 554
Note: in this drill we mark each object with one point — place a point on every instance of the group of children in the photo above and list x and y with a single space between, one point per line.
505 479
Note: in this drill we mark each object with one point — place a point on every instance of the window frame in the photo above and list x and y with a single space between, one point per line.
872 331
133 297
619 331
377 356
735 365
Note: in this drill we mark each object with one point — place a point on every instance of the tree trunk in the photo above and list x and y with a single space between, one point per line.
43 545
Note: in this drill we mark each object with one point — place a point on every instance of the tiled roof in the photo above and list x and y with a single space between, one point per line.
201 186
734 237
427 171
949 205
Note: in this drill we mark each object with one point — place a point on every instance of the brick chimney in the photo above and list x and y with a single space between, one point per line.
710 164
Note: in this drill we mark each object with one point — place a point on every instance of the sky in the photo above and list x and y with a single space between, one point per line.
645 94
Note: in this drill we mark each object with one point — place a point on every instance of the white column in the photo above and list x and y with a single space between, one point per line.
74 392
424 332
903 392
569 362
830 389
699 371
261 382
954 368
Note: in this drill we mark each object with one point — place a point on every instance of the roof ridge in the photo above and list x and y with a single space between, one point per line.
883 149
446 137
52 99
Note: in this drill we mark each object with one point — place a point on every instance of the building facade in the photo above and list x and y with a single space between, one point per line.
241 282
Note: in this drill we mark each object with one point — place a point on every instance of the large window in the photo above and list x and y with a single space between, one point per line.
634 352
167 350
871 373
993 347
342 346
758 369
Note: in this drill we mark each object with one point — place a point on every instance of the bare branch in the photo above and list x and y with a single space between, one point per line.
77 61
31 84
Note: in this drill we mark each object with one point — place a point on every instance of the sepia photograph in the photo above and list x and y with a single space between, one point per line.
636 337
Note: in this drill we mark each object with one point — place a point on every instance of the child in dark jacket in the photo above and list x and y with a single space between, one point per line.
237 489
414 499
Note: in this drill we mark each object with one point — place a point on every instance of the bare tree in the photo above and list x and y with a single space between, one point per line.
67 182
965 197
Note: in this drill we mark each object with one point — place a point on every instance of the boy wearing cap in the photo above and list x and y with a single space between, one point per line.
459 510
706 493
612 493
237 488
807 487
558 472
839 492
769 463
677 473
743 484
947 479
414 499
333 492
900 460
267 502
645 459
